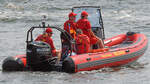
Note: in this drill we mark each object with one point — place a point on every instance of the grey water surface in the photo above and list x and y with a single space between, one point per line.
119 16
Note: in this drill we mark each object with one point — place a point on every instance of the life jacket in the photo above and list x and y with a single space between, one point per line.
72 32
82 44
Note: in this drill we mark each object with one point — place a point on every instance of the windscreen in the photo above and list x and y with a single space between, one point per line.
94 15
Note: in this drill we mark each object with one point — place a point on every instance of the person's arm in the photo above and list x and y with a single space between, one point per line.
91 33
38 38
65 26
75 26
50 42
89 29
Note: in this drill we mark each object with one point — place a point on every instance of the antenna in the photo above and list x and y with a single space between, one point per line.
44 23
43 20
129 29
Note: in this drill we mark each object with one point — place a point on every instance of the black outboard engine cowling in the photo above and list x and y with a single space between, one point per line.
38 54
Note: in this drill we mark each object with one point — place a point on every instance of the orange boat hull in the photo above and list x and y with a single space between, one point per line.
124 49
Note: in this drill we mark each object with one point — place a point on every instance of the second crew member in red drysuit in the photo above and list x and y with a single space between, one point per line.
70 25
85 26
82 42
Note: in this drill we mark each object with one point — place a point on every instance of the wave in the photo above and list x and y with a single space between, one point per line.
134 66
11 12
12 16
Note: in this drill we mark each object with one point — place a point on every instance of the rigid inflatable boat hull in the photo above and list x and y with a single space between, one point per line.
129 52
124 49
16 63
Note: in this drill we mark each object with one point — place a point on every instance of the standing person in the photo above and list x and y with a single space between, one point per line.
82 42
85 26
70 25
46 37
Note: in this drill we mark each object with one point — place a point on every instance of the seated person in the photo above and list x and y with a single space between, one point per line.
82 42
46 37
85 25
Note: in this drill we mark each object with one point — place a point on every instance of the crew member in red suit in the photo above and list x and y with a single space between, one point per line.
85 26
46 37
70 25
82 42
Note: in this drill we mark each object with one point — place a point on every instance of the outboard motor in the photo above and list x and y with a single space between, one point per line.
38 55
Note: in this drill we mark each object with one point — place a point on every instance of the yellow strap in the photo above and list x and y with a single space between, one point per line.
44 40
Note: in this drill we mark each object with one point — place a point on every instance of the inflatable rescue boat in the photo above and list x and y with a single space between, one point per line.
121 49
124 49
